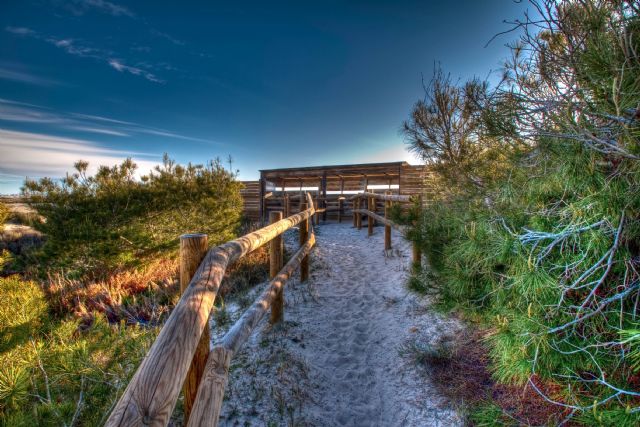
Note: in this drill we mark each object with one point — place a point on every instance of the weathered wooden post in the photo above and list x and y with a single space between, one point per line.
304 232
353 211
275 265
370 208
206 411
264 210
359 215
314 203
287 206
340 200
374 207
387 227
323 186
193 248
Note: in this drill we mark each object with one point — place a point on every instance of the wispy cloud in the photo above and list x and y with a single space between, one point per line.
36 155
120 66
72 47
14 112
82 49
167 134
101 119
20 112
19 74
21 31
80 7
168 37
97 130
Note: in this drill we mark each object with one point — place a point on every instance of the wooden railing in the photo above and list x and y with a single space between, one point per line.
388 199
180 358
339 204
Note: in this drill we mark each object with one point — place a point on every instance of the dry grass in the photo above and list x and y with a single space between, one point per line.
144 295
459 368
141 296
246 273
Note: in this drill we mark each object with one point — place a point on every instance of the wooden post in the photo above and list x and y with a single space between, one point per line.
206 411
359 215
275 264
355 215
374 206
193 248
340 209
370 203
152 393
387 227
287 206
314 219
264 210
262 191
304 232
323 183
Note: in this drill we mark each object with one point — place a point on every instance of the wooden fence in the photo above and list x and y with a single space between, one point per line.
388 198
338 206
180 358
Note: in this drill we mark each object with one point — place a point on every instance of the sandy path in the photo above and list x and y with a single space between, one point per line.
341 345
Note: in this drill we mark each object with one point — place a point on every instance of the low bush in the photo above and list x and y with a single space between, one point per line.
106 279
538 235
54 373
110 221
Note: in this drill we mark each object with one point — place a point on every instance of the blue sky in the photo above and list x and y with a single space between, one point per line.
273 84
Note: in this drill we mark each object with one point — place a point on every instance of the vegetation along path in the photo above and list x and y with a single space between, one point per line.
342 356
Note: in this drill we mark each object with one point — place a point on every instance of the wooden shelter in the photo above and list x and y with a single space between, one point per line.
331 186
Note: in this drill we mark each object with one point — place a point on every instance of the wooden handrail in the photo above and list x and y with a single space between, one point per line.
241 330
381 219
208 402
388 197
416 251
152 393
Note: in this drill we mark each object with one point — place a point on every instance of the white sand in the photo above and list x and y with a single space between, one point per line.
337 360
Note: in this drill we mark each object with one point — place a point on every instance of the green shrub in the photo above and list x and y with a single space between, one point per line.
545 251
52 372
113 221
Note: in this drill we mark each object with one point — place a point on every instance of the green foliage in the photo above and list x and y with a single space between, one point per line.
490 415
67 354
619 417
112 220
544 246
51 372
484 268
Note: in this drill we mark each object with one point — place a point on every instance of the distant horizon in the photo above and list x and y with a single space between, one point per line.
285 85
257 176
